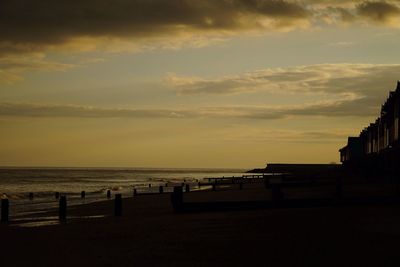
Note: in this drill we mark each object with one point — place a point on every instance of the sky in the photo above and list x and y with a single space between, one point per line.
191 83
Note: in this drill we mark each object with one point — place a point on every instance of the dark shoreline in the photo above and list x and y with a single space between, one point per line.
150 233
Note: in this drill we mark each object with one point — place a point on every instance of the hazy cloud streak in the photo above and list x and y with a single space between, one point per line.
13 67
352 90
330 109
361 86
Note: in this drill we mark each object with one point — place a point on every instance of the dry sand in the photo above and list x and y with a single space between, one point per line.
150 234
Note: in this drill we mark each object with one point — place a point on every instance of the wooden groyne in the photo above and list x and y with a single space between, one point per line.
276 186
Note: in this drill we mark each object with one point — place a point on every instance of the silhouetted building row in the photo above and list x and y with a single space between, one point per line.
378 145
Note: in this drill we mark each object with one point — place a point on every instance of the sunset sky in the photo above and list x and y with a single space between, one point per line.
191 83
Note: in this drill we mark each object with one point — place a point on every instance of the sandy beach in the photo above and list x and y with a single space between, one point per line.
150 234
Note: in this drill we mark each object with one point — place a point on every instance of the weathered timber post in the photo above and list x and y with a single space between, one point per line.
177 199
135 192
83 194
108 193
161 189
62 212
118 205
4 210
31 196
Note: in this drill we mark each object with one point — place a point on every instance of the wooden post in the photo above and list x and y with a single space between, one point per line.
31 196
149 185
134 192
161 189
57 195
199 184
118 205
166 184
4 210
62 212
83 194
109 193
177 199
187 188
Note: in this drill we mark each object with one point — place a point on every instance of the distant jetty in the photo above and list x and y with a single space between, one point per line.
284 168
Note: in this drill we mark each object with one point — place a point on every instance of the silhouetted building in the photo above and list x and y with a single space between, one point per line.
378 145
353 149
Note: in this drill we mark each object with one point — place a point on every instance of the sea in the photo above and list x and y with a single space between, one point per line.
17 183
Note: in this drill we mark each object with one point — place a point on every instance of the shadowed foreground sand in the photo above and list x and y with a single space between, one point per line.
150 234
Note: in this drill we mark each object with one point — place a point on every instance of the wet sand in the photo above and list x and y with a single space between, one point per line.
150 234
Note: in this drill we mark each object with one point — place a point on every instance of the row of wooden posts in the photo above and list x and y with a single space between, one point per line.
63 202
62 211
176 198
83 193
161 189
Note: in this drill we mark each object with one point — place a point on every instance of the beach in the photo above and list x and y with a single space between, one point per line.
150 233
17 184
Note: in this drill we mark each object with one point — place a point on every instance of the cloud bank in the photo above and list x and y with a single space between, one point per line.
351 90
33 25
357 86
29 28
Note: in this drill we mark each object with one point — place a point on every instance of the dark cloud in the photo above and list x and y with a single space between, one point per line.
381 12
30 24
39 25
